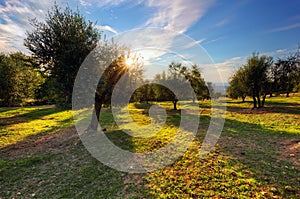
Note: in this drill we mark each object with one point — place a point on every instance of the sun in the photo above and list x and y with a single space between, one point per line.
129 62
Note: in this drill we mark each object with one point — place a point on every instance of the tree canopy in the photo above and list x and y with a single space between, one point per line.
260 76
60 45
18 79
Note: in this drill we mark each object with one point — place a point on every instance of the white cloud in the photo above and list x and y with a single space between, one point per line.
15 16
104 3
84 3
106 28
227 68
177 15
223 70
281 50
174 15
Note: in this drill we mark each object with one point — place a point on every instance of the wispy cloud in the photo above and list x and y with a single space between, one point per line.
214 40
280 50
224 69
104 3
15 16
194 43
227 68
106 28
177 15
85 3
284 28
223 22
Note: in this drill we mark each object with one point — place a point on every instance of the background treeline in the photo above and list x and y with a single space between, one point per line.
20 81
262 76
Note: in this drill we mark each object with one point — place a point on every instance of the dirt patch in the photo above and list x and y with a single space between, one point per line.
46 143
290 149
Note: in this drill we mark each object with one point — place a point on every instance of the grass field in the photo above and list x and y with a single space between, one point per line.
257 156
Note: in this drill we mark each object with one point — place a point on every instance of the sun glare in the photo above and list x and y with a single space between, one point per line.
129 62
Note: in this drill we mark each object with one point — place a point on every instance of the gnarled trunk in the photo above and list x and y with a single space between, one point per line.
99 101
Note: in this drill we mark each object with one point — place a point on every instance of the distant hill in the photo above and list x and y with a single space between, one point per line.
220 87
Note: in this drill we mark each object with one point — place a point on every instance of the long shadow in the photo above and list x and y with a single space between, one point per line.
115 135
267 109
4 110
31 115
71 173
270 107
259 149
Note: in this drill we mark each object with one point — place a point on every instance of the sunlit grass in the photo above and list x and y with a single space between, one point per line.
18 124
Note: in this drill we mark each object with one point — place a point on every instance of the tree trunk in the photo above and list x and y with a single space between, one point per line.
271 94
243 98
287 94
175 104
263 100
99 100
254 102
113 76
258 101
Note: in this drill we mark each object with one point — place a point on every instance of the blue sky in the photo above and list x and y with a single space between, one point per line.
229 30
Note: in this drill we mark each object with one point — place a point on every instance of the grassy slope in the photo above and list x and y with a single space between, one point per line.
252 159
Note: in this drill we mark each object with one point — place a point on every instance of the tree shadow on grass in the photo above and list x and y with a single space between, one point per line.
68 173
259 149
270 107
34 114
36 140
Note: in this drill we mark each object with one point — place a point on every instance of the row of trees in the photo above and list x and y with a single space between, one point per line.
180 76
262 76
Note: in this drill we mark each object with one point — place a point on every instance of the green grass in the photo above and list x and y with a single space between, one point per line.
19 124
251 160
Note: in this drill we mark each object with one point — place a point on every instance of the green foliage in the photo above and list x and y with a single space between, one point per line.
193 75
145 93
180 76
252 79
260 77
60 45
238 87
286 74
18 79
